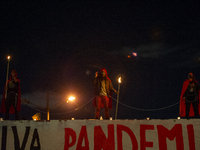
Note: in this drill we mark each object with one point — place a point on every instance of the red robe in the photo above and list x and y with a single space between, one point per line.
12 110
182 103
110 98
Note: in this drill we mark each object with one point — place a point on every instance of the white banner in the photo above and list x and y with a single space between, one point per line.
101 134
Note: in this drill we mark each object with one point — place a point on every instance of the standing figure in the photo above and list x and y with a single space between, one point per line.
11 101
103 93
190 97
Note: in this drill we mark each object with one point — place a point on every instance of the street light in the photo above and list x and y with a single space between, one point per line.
71 98
8 58
119 81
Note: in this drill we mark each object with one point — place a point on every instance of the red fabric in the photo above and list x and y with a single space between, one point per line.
110 98
99 101
182 103
3 107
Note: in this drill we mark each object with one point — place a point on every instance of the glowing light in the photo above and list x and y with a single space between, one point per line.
129 56
135 54
36 117
119 79
8 57
71 98
148 118
178 117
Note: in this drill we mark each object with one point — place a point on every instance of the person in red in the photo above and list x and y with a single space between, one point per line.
103 91
190 97
11 101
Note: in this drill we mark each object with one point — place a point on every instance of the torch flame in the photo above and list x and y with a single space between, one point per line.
119 80
8 57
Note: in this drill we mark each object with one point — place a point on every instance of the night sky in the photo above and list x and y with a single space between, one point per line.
56 48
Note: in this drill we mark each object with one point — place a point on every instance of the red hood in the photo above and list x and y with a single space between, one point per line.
103 69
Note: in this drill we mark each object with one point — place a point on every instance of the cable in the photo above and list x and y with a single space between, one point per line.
57 113
75 109
34 106
146 109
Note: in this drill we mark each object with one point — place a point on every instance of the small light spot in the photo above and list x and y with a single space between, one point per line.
135 54
88 72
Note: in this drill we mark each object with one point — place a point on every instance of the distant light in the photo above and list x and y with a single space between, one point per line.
8 57
148 118
135 54
128 56
178 117
71 98
36 117
72 119
110 118
88 72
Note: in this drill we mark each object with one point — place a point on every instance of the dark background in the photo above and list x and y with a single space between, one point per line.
56 48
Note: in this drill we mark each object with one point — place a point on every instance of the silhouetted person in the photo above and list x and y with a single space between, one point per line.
103 91
189 100
11 103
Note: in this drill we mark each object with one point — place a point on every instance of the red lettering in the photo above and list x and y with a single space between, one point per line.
143 142
191 136
100 140
121 128
69 132
83 135
175 132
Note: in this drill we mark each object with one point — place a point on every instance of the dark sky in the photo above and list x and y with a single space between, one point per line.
57 47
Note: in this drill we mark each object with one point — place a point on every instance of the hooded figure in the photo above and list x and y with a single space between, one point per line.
11 103
103 93
190 97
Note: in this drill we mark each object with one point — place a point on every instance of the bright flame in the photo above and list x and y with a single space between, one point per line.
119 79
8 57
71 98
